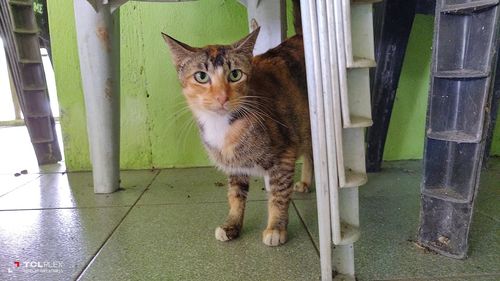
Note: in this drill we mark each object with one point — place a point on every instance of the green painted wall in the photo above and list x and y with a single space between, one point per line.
157 130
68 83
407 127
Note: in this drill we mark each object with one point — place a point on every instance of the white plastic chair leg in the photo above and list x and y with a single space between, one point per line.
99 50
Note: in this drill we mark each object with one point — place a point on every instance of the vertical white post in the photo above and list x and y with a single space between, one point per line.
318 133
338 207
330 90
271 17
99 52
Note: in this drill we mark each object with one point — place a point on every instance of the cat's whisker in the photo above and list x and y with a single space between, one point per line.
181 131
180 103
182 108
259 104
256 97
258 119
178 112
186 123
179 115
179 107
255 108
183 134
251 117
173 120
258 111
189 129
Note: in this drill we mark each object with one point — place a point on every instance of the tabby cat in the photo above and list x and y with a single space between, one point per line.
253 118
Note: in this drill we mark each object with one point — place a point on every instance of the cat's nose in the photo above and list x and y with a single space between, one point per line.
222 99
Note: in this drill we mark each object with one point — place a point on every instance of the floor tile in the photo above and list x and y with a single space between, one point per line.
383 253
198 185
8 183
488 199
489 277
176 242
396 179
75 190
67 239
389 225
174 186
17 154
170 236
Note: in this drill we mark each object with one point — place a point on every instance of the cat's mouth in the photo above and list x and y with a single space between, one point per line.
222 109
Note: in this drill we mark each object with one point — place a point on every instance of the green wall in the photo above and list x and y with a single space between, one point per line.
156 130
407 127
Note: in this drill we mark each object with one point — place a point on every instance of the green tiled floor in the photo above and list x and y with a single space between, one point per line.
74 190
161 227
176 242
70 237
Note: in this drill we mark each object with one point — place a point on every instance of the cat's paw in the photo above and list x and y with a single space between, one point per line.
274 237
226 233
301 186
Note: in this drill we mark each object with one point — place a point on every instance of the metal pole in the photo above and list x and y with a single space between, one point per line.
99 51
317 115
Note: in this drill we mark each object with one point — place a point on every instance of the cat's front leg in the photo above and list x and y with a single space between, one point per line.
281 180
237 196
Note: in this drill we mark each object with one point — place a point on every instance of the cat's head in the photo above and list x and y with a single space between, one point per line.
214 78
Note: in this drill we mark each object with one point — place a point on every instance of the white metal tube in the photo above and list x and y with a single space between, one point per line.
346 12
98 49
314 85
343 45
330 88
343 256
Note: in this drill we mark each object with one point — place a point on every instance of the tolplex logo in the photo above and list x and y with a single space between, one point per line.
38 266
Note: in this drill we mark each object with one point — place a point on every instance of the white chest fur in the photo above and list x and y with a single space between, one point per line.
215 128
214 132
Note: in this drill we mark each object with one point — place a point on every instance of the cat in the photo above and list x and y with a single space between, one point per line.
253 118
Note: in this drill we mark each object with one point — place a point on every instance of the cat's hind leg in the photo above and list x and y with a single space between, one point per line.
304 185
237 196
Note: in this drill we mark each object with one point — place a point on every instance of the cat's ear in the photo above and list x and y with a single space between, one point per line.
180 51
247 44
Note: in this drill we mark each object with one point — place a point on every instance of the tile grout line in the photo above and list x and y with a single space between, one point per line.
440 278
487 215
64 208
87 266
17 187
305 226
126 205
198 203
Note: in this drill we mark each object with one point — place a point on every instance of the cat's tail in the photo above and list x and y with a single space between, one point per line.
297 19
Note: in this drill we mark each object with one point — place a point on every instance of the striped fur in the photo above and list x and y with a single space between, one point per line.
256 126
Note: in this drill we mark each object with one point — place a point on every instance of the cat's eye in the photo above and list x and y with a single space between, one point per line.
235 75
201 77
